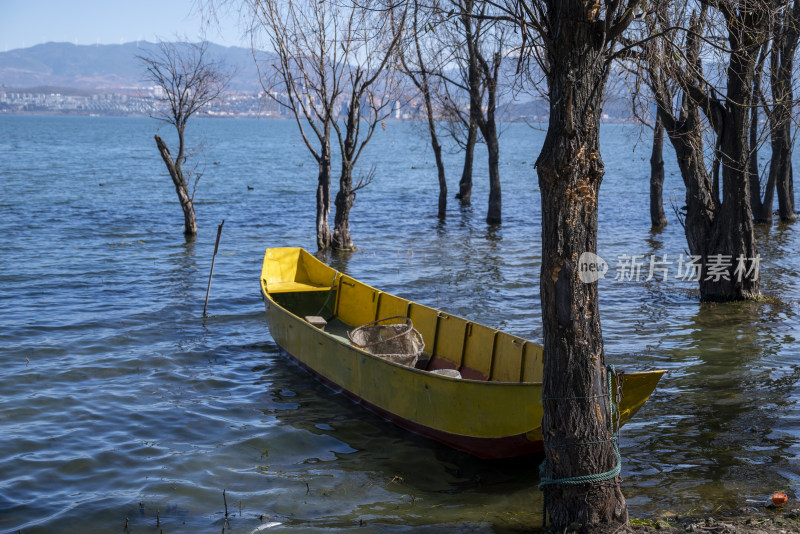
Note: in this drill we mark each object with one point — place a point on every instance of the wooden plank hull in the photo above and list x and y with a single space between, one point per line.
487 418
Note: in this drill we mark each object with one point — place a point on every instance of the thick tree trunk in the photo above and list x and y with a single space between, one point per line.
716 232
657 217
174 168
494 213
576 422
732 238
465 185
719 232
324 198
344 201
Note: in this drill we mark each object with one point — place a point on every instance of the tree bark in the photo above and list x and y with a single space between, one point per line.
657 217
465 184
174 168
733 234
437 153
576 422
324 196
494 213
344 202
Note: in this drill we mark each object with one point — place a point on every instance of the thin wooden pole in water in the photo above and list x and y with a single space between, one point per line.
213 259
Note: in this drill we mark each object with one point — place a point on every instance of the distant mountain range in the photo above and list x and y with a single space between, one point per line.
86 70
105 67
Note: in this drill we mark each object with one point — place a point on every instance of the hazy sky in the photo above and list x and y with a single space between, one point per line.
24 23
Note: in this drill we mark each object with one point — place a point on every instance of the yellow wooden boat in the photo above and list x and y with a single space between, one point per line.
492 411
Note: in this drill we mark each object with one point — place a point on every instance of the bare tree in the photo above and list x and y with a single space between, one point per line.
421 63
785 33
479 39
187 80
330 62
368 37
693 103
305 79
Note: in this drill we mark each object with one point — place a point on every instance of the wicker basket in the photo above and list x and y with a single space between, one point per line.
398 343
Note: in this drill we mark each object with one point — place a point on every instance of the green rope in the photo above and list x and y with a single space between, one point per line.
545 481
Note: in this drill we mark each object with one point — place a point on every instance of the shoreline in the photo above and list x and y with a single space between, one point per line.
768 521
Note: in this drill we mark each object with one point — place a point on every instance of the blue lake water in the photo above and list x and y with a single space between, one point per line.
120 402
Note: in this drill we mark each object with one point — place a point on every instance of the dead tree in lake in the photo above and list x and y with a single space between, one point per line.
480 38
419 58
330 62
784 36
692 103
187 80
368 36
305 78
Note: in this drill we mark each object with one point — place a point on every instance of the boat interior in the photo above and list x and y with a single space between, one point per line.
309 289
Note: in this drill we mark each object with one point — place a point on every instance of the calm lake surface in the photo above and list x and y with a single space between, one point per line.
120 402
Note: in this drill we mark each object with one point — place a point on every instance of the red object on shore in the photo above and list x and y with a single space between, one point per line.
778 499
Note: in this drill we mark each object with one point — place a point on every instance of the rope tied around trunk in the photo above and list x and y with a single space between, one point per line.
545 481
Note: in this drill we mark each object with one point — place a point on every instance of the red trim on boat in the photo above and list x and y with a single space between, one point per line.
487 448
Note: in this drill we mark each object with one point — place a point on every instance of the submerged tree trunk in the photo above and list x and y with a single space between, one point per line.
576 426
657 217
465 185
174 168
482 79
494 213
437 153
324 198
344 201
